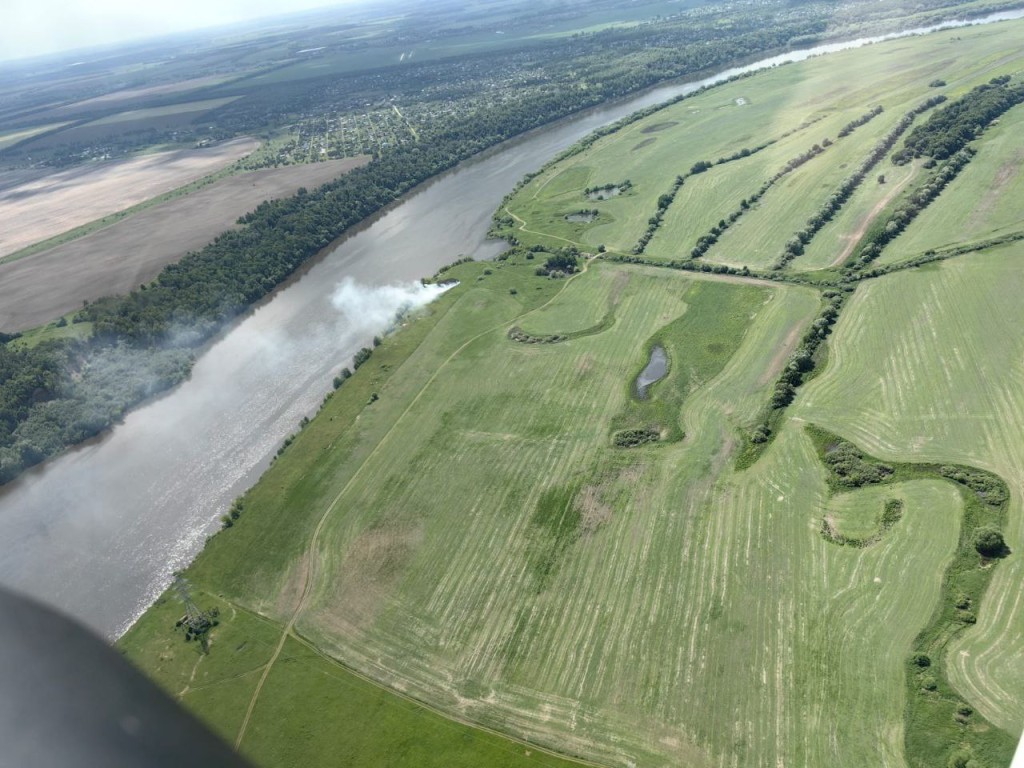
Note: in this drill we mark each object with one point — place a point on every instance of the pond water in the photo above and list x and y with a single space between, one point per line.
605 194
655 371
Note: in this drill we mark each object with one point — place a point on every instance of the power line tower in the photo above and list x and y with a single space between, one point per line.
192 613
197 623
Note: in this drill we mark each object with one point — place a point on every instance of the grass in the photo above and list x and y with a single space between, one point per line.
795 106
698 345
836 241
984 203
485 549
52 330
487 666
939 723
916 374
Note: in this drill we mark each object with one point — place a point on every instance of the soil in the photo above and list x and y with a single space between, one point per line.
40 288
42 207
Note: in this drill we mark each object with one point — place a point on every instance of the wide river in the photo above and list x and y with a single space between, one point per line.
100 531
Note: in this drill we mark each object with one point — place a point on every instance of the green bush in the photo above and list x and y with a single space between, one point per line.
989 542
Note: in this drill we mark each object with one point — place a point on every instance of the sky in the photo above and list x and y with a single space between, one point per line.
37 27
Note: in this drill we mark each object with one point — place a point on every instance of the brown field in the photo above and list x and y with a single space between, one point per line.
49 205
114 260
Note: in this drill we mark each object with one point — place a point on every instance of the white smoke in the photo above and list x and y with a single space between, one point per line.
371 309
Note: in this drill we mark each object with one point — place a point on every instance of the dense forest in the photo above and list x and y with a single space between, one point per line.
948 130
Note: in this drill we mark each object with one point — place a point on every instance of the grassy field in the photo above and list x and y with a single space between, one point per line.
985 202
495 665
915 373
795 107
461 526
835 243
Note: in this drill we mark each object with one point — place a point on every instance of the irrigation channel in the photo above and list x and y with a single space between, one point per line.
100 531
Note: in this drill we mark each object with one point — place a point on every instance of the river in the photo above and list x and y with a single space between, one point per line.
100 531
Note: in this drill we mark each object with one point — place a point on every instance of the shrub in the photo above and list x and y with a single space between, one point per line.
631 438
989 542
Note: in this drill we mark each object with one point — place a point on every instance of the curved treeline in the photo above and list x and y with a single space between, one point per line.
795 246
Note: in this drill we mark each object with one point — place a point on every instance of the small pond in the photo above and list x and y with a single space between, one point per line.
584 217
605 194
656 369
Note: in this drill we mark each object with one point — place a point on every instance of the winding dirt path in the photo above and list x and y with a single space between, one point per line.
855 238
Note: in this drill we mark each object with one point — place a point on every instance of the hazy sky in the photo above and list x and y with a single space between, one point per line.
34 27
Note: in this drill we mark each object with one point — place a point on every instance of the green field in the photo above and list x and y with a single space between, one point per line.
459 560
157 113
947 327
794 106
985 202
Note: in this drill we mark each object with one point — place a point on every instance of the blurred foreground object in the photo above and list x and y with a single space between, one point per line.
68 699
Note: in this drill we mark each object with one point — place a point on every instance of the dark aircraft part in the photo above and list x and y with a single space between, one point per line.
68 699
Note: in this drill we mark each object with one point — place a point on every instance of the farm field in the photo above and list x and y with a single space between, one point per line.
117 258
836 241
44 207
134 120
985 203
129 95
925 366
11 138
549 560
489 520
796 106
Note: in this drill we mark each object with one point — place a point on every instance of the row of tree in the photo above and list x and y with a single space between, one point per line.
795 246
666 200
704 242
908 210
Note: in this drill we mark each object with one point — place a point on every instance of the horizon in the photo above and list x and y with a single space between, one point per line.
43 28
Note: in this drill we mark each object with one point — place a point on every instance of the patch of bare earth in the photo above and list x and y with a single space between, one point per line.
291 593
117 259
855 237
58 202
780 357
372 568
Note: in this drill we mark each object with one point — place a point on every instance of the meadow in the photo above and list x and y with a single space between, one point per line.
984 204
791 109
462 526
